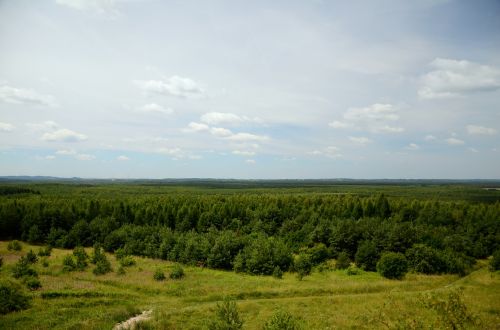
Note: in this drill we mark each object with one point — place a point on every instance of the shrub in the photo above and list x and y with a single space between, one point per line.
22 268
318 253
32 283
367 256
392 265
302 265
353 270
239 263
14 246
343 261
177 272
495 261
159 275
81 258
277 272
283 320
31 257
69 264
102 266
45 251
127 261
12 297
226 317
426 260
97 254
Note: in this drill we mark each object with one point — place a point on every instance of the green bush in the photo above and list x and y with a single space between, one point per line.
45 251
302 265
353 270
392 265
32 283
12 297
14 246
127 261
424 259
102 266
343 261
367 256
177 272
159 275
226 317
31 257
283 320
69 264
22 268
495 261
81 258
277 272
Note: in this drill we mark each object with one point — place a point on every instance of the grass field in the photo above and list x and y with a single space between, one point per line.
327 299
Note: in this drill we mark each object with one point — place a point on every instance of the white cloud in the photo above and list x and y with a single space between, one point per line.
430 138
480 130
155 108
66 152
6 127
15 95
64 135
122 158
196 127
360 140
243 153
226 118
84 157
174 86
50 157
412 146
247 137
454 141
452 78
373 118
47 125
330 152
221 132
250 161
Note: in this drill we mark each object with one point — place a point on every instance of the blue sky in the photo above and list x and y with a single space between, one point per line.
250 89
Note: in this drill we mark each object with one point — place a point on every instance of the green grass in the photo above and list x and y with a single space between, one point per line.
324 300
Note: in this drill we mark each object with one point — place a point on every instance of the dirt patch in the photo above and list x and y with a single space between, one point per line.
132 322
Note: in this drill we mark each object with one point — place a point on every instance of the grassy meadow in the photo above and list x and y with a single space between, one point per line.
327 299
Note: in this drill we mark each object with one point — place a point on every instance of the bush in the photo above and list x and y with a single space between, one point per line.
226 317
102 266
177 272
81 258
22 268
239 263
277 272
343 261
32 283
424 259
367 256
353 270
14 246
392 265
159 275
31 257
495 261
283 320
45 251
127 261
302 266
12 297
69 264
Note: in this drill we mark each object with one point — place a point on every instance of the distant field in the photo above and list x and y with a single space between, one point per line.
324 300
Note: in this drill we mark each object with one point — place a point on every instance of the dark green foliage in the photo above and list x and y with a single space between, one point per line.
97 254
263 254
32 283
277 272
353 270
127 261
69 263
283 320
81 258
318 253
45 251
22 268
392 265
159 275
177 272
14 246
367 256
224 250
102 266
495 261
426 260
12 297
1 262
343 261
302 265
239 263
31 257
226 317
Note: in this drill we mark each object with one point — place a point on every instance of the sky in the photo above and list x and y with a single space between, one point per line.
250 89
